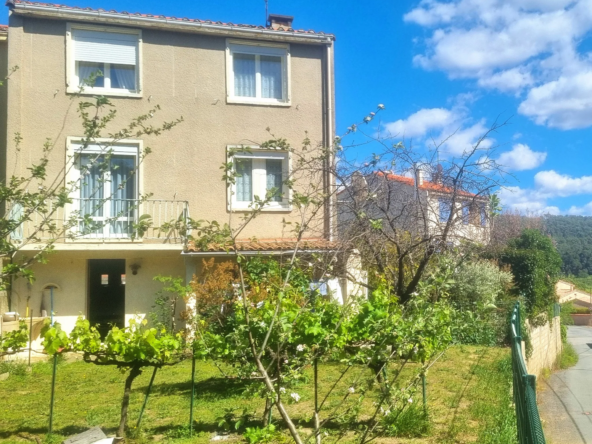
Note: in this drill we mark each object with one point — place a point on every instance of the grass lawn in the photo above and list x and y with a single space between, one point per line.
468 396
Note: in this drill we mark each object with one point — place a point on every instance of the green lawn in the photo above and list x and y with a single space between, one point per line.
468 397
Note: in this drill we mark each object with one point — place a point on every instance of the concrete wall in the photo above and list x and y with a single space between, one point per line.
186 75
68 270
546 346
582 319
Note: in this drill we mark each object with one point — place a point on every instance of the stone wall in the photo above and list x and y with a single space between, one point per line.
546 346
582 319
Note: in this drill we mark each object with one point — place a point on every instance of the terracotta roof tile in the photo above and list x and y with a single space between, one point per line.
268 245
171 19
426 185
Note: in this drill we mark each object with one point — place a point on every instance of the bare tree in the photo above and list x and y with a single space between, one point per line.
404 205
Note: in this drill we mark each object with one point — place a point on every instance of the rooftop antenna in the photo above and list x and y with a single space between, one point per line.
266 13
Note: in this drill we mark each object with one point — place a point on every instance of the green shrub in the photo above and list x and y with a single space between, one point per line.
15 368
256 435
569 357
536 266
479 282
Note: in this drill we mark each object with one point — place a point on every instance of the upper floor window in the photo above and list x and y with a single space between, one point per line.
259 174
444 209
483 213
257 74
466 213
110 55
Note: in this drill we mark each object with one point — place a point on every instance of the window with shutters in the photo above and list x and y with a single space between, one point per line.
104 60
257 73
259 174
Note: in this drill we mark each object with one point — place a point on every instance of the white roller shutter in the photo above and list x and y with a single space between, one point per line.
105 47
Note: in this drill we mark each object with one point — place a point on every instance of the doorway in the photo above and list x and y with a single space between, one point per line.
106 294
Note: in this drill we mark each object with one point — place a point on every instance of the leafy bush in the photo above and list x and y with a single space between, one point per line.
13 341
479 325
536 266
256 435
479 282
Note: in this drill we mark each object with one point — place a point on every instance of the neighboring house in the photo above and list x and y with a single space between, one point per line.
229 82
415 205
566 291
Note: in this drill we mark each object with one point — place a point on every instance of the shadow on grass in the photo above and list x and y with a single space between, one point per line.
26 432
209 389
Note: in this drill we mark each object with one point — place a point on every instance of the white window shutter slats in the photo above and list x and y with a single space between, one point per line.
105 47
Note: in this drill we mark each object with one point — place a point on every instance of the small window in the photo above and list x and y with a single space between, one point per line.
444 208
104 61
259 173
258 74
466 213
483 211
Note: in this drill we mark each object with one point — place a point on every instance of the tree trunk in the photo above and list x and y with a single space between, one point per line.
133 374
268 406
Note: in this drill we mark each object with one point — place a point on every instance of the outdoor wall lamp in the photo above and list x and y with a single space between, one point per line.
135 267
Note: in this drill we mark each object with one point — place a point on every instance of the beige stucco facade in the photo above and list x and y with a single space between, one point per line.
184 72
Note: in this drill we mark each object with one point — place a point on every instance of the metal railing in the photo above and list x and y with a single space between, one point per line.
530 430
107 219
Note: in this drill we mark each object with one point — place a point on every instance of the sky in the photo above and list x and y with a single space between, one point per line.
454 67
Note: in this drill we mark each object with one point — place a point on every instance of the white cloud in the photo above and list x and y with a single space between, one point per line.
565 103
585 210
510 80
552 184
515 46
525 201
521 157
422 122
451 129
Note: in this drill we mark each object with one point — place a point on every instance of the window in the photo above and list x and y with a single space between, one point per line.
259 173
483 211
107 197
257 74
110 55
466 213
444 208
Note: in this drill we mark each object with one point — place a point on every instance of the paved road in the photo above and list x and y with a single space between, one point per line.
565 401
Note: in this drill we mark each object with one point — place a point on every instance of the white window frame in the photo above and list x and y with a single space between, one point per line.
132 148
259 177
258 49
72 79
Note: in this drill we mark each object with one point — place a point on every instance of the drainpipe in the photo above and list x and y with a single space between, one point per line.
330 139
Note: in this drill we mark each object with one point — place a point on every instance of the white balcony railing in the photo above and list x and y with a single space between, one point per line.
108 220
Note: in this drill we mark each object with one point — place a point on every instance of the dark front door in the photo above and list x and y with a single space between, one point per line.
106 288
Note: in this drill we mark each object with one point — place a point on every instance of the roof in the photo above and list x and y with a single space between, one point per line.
147 19
267 245
426 185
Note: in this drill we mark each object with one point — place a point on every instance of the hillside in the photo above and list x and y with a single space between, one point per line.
573 235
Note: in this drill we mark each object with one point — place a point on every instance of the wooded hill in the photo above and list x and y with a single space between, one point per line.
573 236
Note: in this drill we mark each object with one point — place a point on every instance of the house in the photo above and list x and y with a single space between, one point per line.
415 205
228 81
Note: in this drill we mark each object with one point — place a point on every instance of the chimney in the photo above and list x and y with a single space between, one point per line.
418 177
281 21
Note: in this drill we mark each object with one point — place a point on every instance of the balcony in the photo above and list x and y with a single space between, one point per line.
107 220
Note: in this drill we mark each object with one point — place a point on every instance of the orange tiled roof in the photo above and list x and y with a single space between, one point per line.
268 245
126 14
426 185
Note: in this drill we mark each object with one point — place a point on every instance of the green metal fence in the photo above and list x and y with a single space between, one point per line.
530 430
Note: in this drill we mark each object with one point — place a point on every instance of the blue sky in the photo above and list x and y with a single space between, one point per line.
446 66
